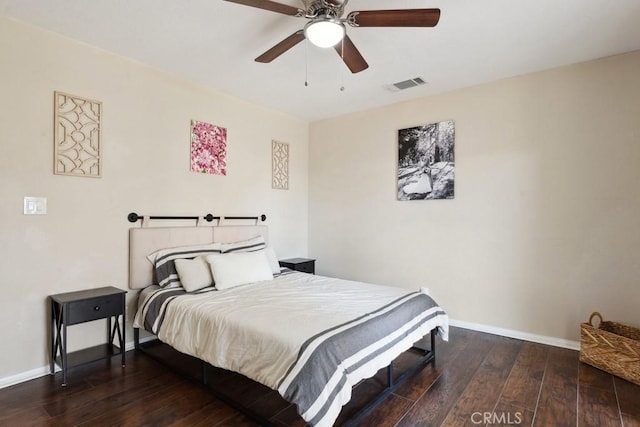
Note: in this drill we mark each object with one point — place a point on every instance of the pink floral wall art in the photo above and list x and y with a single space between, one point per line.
208 148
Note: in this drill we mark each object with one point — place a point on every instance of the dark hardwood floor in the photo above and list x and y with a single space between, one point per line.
478 379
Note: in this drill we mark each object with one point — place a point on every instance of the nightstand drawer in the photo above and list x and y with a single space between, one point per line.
94 308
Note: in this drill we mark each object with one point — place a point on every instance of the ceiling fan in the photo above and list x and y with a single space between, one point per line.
326 26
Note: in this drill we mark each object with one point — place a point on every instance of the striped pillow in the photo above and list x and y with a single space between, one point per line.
163 261
250 245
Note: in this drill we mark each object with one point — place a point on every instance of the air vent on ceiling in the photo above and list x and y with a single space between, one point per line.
406 84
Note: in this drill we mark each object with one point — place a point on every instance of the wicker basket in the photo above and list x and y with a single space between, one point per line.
612 347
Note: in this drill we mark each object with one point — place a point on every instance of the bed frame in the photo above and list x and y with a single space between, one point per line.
145 240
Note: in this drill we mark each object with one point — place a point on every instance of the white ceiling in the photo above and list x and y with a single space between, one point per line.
214 42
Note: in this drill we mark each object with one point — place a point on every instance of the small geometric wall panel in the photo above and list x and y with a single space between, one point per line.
280 165
77 140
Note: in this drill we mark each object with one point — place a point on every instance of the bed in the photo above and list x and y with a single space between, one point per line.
311 338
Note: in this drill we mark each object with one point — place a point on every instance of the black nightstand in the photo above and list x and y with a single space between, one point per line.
304 265
72 308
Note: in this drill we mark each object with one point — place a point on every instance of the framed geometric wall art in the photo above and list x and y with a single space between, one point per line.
208 148
279 165
77 136
426 166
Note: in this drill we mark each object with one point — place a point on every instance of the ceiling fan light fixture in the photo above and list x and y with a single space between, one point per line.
324 32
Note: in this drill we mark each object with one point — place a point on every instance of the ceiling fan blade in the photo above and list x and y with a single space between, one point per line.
350 55
271 6
394 18
281 47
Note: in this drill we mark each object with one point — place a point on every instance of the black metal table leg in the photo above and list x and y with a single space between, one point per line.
121 332
63 346
54 344
122 341
110 333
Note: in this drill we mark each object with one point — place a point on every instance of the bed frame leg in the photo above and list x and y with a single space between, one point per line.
136 338
205 374
433 345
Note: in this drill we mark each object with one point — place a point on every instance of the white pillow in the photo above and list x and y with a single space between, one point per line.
194 273
240 268
273 260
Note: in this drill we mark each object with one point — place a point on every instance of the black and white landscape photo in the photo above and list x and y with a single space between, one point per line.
425 161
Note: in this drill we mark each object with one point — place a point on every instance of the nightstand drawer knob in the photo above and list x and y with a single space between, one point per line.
96 308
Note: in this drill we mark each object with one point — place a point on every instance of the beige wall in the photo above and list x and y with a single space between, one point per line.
82 242
544 227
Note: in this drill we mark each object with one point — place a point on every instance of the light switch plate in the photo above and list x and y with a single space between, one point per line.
35 205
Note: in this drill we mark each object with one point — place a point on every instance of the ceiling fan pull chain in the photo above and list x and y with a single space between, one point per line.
341 69
306 63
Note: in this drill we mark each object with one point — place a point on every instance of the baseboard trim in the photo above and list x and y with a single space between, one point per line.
542 339
25 376
525 336
41 372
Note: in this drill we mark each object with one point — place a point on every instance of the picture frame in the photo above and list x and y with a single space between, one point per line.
426 162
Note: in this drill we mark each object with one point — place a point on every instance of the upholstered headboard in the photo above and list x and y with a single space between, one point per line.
143 241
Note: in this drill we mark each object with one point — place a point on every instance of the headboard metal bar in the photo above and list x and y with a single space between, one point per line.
133 217
262 217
